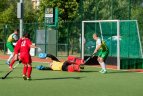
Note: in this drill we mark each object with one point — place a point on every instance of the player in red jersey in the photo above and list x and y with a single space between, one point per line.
25 56
23 47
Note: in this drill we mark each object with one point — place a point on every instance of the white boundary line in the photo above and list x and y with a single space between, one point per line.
115 69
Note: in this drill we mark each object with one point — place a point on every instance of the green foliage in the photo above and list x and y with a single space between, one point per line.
67 9
29 13
8 11
8 15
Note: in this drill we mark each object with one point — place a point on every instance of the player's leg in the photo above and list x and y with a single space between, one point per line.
11 48
23 59
11 63
76 67
29 71
9 59
101 60
29 68
73 68
65 66
25 67
52 57
15 58
102 64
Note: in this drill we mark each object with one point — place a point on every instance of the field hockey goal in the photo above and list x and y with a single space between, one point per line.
122 38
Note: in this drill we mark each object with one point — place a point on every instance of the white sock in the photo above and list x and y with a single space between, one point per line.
10 57
103 65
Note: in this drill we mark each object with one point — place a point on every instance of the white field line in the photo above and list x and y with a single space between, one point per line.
115 69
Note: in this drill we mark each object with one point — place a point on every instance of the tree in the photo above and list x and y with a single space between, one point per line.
30 15
8 12
67 9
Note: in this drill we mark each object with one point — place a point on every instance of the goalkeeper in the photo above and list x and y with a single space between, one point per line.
103 52
70 65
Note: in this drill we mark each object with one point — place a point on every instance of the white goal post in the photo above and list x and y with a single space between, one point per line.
117 34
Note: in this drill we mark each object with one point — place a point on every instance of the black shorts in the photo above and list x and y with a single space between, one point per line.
65 66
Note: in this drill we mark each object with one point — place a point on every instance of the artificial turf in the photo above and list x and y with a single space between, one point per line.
89 82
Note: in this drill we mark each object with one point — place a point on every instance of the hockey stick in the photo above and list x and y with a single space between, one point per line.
82 65
89 58
10 70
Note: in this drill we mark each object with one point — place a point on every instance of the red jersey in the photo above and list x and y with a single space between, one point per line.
17 46
24 51
25 46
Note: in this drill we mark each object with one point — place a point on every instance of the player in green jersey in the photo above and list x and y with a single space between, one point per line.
9 44
103 52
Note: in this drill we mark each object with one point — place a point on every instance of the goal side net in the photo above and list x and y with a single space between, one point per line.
121 36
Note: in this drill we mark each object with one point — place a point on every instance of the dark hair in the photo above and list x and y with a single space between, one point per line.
16 30
27 35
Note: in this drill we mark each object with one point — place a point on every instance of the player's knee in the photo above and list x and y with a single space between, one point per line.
25 65
29 65
98 59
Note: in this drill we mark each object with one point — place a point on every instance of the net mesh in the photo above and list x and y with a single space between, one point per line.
129 38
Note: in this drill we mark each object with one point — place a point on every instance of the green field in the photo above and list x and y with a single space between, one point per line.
57 83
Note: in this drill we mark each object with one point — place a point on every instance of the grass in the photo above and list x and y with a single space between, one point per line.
57 83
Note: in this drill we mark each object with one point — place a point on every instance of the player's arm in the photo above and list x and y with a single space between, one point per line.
33 46
98 45
15 37
97 48
30 44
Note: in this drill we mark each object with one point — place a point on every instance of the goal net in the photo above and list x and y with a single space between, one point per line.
121 36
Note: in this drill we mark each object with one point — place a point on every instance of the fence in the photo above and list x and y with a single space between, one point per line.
66 38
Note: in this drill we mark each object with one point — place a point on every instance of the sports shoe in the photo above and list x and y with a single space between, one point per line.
101 70
24 77
7 62
104 71
29 78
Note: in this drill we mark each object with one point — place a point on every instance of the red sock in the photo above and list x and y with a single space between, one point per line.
25 70
29 71
12 62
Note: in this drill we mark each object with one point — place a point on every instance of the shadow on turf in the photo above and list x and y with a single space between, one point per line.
108 72
58 78
89 71
48 78
112 72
